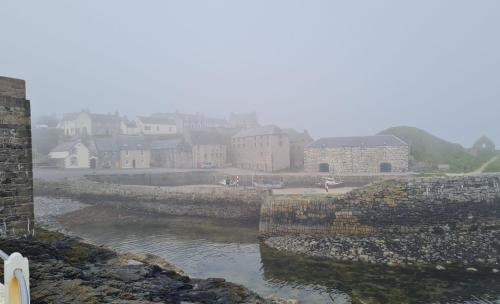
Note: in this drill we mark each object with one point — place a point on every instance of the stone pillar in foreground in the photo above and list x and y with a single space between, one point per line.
16 169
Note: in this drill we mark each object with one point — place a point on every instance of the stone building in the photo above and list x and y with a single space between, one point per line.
264 148
129 127
155 125
186 122
71 155
357 155
108 152
208 148
85 123
243 120
482 146
134 152
298 142
171 153
16 174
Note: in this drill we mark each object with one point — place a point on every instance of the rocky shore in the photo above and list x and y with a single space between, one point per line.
66 270
424 248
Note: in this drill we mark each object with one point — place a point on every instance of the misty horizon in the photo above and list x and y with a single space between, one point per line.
334 69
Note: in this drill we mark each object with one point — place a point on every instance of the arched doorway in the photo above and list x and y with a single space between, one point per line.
385 167
324 167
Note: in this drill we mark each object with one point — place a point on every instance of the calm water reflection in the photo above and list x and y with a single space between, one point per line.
207 248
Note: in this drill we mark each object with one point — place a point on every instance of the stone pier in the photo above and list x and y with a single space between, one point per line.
16 174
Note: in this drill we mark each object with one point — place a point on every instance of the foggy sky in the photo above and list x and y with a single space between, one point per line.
333 67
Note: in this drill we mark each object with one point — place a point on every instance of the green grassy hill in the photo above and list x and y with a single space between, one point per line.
430 150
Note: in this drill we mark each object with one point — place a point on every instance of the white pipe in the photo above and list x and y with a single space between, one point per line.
23 288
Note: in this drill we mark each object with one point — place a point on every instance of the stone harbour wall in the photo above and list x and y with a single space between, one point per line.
16 175
208 201
182 178
413 220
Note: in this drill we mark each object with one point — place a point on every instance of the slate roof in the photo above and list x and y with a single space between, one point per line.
358 141
294 135
101 118
104 118
165 144
70 116
170 144
130 123
257 131
106 144
132 142
65 147
207 138
158 120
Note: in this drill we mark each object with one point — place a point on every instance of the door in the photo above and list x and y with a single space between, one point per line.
324 167
93 163
133 164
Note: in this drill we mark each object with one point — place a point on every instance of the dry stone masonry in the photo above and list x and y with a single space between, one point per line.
216 202
357 155
453 220
16 175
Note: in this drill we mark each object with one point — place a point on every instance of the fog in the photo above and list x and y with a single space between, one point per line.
332 67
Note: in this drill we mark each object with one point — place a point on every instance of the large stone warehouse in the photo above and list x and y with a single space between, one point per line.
357 155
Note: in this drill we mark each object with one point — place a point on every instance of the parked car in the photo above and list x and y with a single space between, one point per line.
208 165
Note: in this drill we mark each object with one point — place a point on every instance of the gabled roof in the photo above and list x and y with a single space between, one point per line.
257 131
165 144
70 116
358 141
157 120
106 144
294 135
101 118
65 147
130 123
132 142
105 118
170 144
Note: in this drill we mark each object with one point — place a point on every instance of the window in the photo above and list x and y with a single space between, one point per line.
157 128
73 161
385 167
147 128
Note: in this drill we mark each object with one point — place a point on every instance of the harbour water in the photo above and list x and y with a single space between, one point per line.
209 248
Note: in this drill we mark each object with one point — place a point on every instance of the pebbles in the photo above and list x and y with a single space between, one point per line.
409 249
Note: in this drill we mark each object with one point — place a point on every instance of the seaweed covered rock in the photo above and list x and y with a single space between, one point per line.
66 270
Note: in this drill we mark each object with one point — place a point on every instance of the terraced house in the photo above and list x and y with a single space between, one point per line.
357 155
155 125
134 152
265 148
209 149
86 123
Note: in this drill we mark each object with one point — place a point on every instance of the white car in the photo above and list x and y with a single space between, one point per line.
208 165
